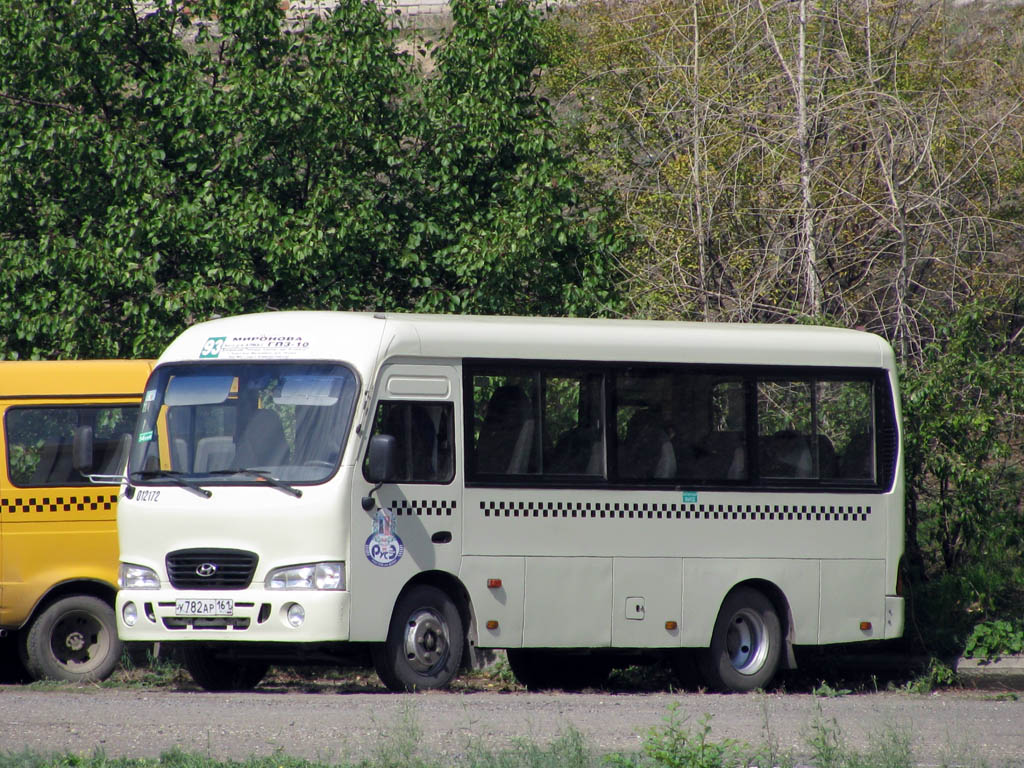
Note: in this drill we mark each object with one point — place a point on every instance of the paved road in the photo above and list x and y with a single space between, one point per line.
339 727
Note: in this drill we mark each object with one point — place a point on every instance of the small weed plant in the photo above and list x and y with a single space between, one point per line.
890 749
937 675
155 671
675 745
826 691
992 639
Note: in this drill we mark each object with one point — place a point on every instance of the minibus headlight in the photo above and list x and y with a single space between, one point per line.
137 577
311 576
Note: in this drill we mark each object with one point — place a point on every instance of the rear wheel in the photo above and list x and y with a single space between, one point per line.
539 669
423 649
74 639
746 644
214 672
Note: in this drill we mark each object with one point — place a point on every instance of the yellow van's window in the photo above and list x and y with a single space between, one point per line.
39 442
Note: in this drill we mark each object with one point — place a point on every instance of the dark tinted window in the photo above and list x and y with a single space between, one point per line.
39 442
423 439
685 426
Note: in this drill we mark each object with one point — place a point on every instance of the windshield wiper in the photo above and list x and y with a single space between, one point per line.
174 477
263 475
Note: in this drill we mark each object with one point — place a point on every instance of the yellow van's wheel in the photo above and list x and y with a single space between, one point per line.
74 638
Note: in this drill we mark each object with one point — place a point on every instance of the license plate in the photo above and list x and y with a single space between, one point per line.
205 607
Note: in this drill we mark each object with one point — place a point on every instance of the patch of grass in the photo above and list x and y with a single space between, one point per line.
150 672
889 749
677 742
644 678
937 675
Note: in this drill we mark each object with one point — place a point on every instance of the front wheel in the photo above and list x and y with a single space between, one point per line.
423 649
73 639
746 644
214 672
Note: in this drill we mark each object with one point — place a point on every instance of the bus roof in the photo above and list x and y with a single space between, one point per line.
26 379
361 338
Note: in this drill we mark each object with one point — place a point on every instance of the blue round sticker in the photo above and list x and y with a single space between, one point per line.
384 547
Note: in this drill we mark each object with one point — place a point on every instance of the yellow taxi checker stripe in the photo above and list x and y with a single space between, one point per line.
28 504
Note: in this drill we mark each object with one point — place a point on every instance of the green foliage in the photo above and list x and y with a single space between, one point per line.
890 749
826 691
689 112
963 442
152 672
992 639
670 746
500 671
158 170
937 675
569 750
674 745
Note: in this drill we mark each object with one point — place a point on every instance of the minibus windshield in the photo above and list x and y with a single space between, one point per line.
243 423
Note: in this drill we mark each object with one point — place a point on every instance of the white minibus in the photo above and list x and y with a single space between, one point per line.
305 486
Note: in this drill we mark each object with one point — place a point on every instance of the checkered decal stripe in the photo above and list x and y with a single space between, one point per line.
58 504
428 507
638 511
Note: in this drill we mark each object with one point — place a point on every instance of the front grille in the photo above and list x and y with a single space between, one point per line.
211 568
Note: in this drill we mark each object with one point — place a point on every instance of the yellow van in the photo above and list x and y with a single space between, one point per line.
58 506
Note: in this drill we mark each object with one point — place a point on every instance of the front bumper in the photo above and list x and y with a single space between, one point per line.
258 615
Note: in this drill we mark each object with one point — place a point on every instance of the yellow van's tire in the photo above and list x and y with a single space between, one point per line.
74 638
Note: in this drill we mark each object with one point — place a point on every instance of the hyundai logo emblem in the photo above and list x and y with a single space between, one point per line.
206 570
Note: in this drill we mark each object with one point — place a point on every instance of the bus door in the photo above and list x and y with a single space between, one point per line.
416 523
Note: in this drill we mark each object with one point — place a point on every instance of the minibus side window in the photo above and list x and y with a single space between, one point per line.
644 425
423 439
573 413
505 424
816 429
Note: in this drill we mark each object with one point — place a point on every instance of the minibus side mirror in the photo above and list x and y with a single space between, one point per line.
380 465
81 450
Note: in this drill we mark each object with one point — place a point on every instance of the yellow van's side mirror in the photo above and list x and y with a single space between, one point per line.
81 450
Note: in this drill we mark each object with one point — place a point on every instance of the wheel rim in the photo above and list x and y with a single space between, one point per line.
79 641
426 641
747 642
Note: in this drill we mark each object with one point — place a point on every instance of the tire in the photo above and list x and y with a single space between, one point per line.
73 639
683 663
541 669
746 644
424 646
214 672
